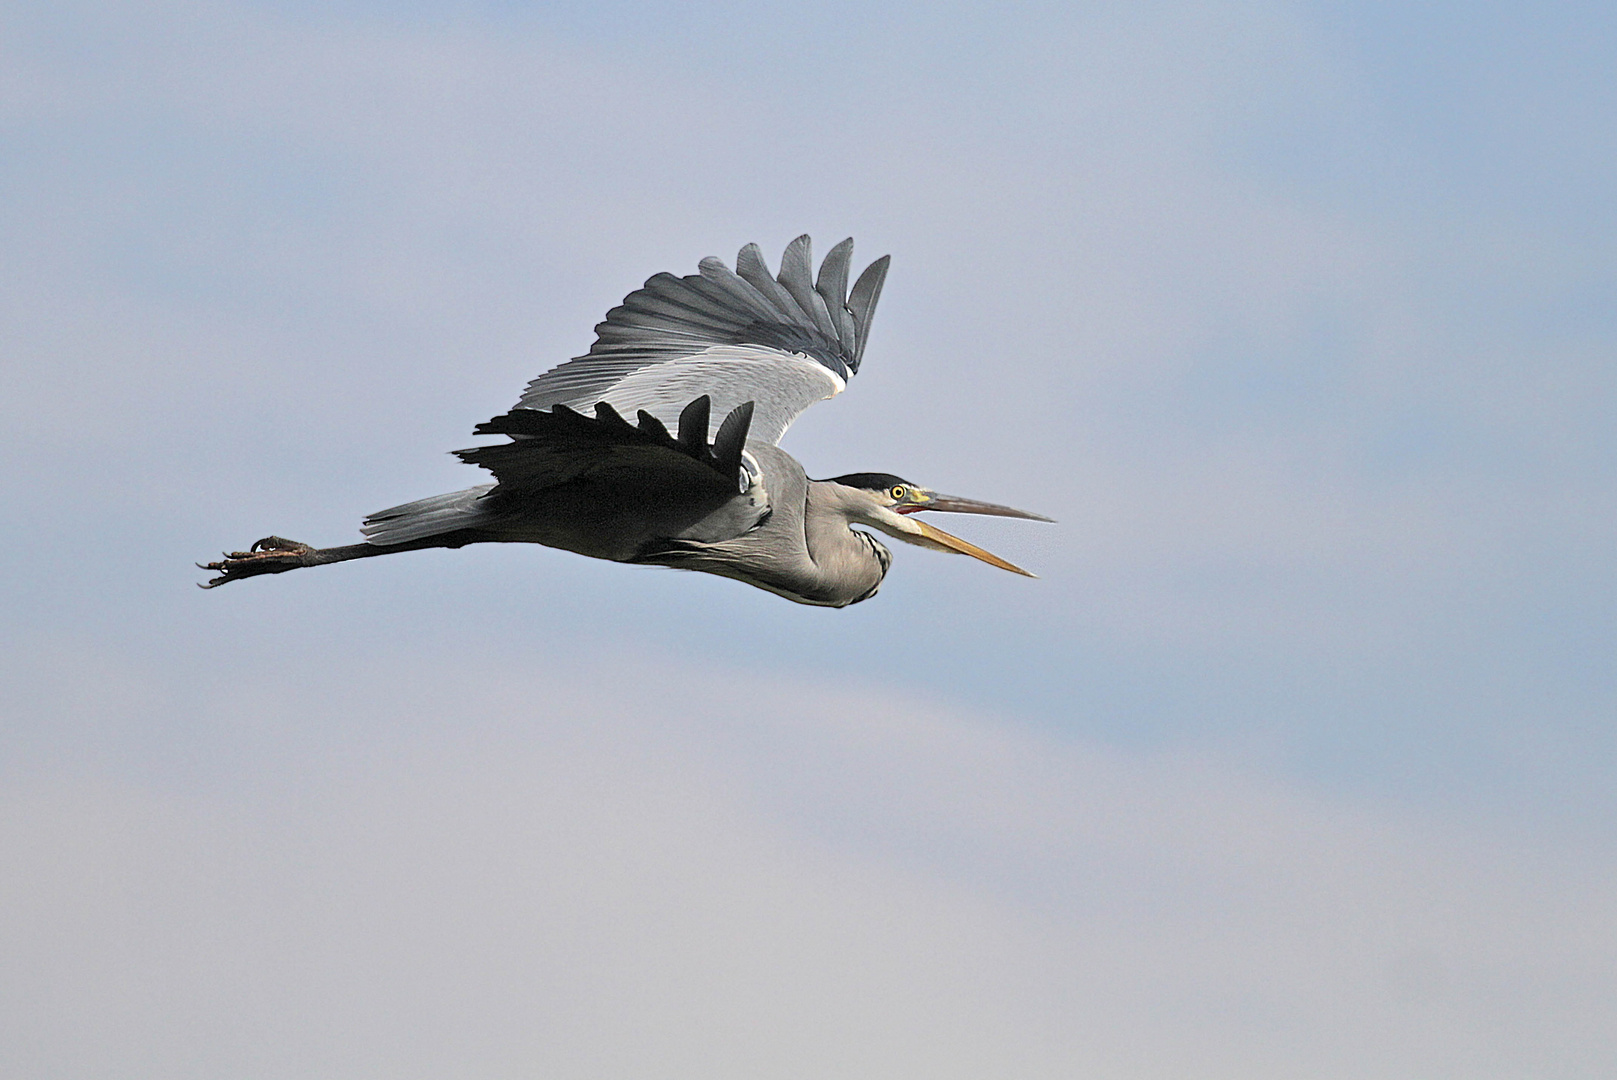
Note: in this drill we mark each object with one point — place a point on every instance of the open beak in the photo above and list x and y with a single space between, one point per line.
954 543
953 504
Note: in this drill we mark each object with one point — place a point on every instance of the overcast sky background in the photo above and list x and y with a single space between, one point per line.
1298 760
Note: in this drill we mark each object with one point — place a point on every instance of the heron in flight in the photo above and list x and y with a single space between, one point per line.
713 367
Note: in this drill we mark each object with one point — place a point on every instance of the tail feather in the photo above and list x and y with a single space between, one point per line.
427 517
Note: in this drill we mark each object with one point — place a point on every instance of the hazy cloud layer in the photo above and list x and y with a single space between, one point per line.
500 875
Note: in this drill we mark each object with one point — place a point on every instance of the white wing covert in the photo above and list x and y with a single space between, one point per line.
782 342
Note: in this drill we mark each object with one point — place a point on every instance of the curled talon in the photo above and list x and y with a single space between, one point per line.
271 555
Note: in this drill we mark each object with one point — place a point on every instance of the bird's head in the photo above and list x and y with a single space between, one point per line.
884 501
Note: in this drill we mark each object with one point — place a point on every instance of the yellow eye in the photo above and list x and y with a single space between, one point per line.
899 492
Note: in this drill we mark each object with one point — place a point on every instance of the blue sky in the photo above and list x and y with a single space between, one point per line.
1298 758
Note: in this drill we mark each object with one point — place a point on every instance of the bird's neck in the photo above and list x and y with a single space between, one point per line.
841 554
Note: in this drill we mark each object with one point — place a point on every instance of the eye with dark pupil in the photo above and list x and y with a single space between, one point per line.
898 492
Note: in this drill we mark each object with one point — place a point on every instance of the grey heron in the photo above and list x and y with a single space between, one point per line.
714 367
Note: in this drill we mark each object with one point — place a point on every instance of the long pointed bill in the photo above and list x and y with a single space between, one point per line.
954 543
953 504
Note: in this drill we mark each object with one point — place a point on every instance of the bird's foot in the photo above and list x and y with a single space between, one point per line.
271 555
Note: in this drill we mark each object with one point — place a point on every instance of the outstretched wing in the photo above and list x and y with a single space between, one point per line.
782 342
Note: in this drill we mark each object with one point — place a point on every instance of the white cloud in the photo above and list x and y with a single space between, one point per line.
577 871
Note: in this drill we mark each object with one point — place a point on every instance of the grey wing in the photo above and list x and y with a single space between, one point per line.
782 342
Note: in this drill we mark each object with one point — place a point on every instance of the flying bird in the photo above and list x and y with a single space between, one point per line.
714 367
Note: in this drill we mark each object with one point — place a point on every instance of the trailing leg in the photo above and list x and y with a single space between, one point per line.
277 555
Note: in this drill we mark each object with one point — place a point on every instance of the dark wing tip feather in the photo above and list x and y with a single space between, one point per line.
654 427
693 423
862 302
612 421
832 286
515 422
832 282
732 437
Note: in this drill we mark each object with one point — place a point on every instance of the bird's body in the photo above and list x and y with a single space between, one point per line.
714 367
804 550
